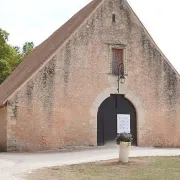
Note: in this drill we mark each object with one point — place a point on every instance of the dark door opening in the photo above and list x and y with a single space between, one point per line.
107 118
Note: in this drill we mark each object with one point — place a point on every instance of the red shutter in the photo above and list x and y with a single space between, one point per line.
117 59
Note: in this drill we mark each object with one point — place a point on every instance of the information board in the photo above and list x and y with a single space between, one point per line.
123 123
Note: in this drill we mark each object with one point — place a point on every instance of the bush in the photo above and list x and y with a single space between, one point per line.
124 137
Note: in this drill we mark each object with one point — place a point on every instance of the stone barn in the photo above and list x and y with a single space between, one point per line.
77 86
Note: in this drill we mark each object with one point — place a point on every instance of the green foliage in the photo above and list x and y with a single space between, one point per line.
28 47
124 137
10 56
4 69
3 36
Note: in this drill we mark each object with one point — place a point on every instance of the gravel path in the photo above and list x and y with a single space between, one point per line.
14 166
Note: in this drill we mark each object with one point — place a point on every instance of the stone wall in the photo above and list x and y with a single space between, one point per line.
3 129
54 108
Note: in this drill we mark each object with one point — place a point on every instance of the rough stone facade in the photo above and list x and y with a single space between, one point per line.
3 129
58 105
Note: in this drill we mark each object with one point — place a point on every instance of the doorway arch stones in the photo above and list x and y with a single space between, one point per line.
132 97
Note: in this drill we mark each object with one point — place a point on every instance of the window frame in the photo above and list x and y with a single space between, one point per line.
117 46
116 61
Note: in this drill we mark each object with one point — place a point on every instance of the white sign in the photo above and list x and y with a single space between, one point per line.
123 123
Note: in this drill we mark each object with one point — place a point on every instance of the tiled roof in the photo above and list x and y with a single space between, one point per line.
43 52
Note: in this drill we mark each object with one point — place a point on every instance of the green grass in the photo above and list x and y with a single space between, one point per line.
150 168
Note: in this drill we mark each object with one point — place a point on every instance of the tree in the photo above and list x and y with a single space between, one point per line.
28 47
10 56
5 67
3 36
4 70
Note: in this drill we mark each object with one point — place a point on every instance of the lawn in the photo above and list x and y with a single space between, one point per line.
150 168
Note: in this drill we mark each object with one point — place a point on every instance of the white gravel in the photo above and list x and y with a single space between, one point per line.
15 166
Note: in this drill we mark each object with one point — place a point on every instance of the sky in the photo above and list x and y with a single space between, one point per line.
36 20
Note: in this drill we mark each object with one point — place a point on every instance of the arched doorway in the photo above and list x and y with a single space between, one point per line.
107 118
